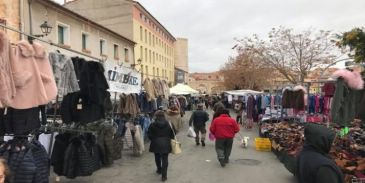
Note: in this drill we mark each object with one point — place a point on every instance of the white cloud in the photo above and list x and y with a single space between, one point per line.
211 25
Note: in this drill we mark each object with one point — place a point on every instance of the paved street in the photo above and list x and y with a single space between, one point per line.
196 165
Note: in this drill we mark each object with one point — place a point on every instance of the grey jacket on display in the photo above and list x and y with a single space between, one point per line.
64 73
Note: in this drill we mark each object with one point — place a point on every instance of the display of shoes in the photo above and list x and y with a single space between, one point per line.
348 151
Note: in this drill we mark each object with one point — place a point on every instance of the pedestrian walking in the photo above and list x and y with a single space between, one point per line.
174 117
218 105
313 163
4 171
160 133
198 120
224 129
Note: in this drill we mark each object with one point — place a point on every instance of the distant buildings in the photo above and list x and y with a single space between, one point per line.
69 30
207 83
155 46
181 60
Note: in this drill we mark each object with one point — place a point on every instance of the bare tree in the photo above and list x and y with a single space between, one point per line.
292 55
246 72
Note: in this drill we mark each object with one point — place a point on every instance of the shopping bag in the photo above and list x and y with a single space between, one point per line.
191 132
211 136
176 146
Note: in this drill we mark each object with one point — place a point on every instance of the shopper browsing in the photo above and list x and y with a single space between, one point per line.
224 129
198 120
313 163
160 133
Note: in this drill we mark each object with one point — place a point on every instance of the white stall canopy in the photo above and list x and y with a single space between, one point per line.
181 89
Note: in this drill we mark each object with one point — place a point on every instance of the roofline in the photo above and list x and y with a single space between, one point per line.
144 9
181 70
69 12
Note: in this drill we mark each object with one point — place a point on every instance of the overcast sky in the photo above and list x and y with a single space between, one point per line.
211 25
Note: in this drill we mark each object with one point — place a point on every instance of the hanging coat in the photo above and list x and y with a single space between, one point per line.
33 76
7 86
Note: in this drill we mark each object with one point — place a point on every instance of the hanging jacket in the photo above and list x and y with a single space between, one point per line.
58 153
105 142
77 161
224 127
160 134
313 163
150 89
22 121
64 73
343 109
33 76
7 86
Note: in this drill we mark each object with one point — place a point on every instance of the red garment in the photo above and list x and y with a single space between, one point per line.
329 89
224 127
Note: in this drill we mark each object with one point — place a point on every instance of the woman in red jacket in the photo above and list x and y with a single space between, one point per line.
224 129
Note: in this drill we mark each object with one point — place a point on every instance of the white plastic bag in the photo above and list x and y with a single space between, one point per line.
191 132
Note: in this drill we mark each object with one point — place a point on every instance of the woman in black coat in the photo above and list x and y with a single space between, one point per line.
160 133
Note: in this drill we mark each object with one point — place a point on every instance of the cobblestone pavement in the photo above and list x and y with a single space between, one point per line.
195 165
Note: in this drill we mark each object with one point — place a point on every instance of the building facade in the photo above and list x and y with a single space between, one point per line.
73 31
181 60
10 13
155 44
207 83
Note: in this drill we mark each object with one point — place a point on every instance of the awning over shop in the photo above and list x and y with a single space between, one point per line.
181 89
242 92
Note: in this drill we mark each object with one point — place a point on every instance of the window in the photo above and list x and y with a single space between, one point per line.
141 33
145 35
141 54
84 41
149 38
141 16
150 56
142 69
146 70
153 40
102 47
153 57
158 73
126 54
145 54
116 52
63 34
153 71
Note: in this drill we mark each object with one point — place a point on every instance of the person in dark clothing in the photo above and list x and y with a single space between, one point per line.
198 120
218 111
160 133
313 163
224 129
218 105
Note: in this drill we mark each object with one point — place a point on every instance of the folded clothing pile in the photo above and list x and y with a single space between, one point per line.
348 151
285 136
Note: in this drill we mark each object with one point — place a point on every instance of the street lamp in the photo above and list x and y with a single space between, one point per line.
45 28
139 62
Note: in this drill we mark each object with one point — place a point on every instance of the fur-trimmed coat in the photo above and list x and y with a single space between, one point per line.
347 96
7 86
33 76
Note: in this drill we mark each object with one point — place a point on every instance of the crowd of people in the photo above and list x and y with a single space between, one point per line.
312 166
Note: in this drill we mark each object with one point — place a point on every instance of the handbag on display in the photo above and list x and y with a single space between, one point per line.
175 145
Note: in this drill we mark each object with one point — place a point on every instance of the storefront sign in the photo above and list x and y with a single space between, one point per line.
122 79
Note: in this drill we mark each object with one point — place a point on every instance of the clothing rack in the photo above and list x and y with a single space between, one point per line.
66 129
